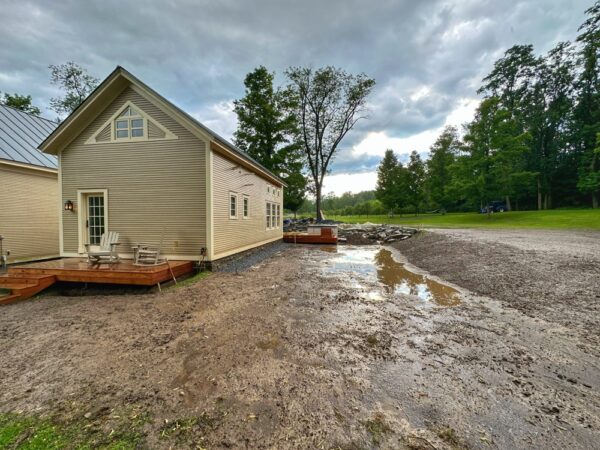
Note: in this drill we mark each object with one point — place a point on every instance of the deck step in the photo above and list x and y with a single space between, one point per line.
15 284
10 298
11 278
22 288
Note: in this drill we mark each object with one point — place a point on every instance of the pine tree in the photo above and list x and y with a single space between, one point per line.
269 134
390 189
415 181
442 156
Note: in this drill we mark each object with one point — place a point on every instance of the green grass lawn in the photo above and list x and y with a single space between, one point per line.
32 433
557 219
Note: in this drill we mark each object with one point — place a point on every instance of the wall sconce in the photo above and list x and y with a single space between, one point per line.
69 205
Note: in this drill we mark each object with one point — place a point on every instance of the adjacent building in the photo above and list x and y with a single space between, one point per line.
28 187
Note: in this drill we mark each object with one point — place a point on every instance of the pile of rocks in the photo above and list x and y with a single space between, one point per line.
369 233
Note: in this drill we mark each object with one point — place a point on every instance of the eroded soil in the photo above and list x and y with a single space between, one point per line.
307 350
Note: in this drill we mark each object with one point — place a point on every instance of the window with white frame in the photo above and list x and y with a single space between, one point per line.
246 207
268 216
129 125
232 205
273 216
278 218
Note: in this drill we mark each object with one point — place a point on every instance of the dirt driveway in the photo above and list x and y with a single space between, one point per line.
323 348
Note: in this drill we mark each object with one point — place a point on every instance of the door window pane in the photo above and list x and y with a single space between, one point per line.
95 218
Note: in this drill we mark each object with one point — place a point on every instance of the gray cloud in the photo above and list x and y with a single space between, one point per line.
350 162
196 53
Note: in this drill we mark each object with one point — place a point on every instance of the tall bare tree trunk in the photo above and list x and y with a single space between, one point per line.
548 201
539 193
508 208
318 202
595 200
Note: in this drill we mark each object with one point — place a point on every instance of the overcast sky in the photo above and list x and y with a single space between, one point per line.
427 56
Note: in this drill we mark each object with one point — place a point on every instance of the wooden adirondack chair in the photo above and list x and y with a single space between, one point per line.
149 256
106 252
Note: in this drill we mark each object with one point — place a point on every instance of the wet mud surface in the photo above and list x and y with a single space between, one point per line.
353 348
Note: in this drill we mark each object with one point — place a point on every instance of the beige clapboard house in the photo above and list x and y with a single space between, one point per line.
28 187
132 162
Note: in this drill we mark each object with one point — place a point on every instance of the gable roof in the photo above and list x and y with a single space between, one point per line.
108 90
20 135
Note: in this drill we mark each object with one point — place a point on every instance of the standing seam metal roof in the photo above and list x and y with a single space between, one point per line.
20 135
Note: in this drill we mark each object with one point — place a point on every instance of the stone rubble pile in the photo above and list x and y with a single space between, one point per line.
371 233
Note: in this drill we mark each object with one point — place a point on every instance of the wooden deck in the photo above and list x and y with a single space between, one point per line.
26 280
123 272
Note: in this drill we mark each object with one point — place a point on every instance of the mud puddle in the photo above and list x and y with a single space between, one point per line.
376 264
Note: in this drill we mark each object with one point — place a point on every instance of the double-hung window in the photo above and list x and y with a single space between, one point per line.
268 216
232 205
273 215
246 207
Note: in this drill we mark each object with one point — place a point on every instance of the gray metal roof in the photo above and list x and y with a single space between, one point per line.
20 135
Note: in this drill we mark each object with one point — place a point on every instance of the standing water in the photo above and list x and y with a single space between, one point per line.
378 264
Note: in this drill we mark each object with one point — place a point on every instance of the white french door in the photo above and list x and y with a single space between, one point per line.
93 217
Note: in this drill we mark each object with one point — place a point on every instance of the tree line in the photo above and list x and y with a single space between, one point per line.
534 141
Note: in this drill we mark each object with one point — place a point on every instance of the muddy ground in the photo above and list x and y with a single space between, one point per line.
323 348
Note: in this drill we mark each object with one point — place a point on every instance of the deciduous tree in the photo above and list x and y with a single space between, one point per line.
20 102
76 84
328 103
587 109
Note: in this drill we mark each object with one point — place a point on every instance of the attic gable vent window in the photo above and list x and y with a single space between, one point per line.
129 124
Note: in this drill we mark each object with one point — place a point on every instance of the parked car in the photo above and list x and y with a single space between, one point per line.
495 206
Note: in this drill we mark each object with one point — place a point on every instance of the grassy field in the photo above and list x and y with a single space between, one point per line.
558 219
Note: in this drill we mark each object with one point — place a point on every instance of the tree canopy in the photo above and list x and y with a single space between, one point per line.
76 84
20 102
327 102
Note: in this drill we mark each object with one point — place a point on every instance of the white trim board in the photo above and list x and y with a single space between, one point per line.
147 118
